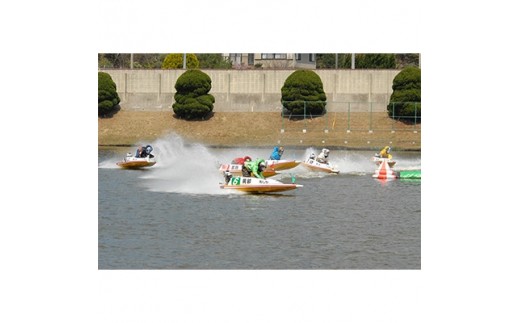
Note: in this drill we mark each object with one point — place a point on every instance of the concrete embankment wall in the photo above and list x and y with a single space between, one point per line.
256 90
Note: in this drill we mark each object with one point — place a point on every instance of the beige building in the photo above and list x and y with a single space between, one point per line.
272 60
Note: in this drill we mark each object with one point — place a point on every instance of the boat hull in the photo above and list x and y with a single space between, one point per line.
281 164
257 185
379 160
134 162
316 166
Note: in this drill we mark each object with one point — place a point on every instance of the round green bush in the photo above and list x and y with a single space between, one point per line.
192 100
302 94
108 98
175 61
405 101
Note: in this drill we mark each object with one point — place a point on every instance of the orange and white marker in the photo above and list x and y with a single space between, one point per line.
384 171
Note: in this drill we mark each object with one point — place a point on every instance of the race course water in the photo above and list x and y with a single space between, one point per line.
175 216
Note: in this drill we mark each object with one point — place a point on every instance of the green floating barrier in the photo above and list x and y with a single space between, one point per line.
410 174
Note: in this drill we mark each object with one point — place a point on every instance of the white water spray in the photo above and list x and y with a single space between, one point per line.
181 168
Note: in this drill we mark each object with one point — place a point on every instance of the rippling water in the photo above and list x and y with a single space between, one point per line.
174 215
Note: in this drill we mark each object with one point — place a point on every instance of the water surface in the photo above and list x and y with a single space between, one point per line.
174 215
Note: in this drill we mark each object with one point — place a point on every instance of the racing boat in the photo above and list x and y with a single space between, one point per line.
378 160
281 164
236 170
316 166
257 185
133 162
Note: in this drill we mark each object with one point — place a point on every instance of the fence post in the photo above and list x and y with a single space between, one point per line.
393 117
348 118
415 116
159 92
326 130
305 113
282 114
370 119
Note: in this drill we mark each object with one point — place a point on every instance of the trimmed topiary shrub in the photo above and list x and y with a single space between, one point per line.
192 100
303 95
108 98
405 101
174 61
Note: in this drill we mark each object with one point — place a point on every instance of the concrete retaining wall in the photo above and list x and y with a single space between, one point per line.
256 90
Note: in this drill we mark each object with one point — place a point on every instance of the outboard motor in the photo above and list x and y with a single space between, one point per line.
227 177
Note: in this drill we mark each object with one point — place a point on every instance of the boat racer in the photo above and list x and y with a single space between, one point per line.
254 167
323 157
144 151
241 160
385 153
277 153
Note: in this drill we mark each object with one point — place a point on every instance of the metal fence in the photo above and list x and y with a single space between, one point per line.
359 116
355 123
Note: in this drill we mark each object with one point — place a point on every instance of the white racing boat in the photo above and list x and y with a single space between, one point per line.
316 166
133 162
257 185
378 160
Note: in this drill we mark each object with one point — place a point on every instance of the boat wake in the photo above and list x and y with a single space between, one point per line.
182 168
194 168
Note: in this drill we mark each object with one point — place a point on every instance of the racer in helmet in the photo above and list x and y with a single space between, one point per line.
148 150
323 157
241 160
144 151
139 152
254 167
385 152
277 153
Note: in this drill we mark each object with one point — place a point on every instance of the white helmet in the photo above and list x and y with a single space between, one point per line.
325 152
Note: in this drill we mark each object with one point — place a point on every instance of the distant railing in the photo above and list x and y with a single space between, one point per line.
357 116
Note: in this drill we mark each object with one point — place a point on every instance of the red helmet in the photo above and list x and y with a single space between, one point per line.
247 158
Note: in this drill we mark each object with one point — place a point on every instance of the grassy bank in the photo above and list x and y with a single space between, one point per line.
237 129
